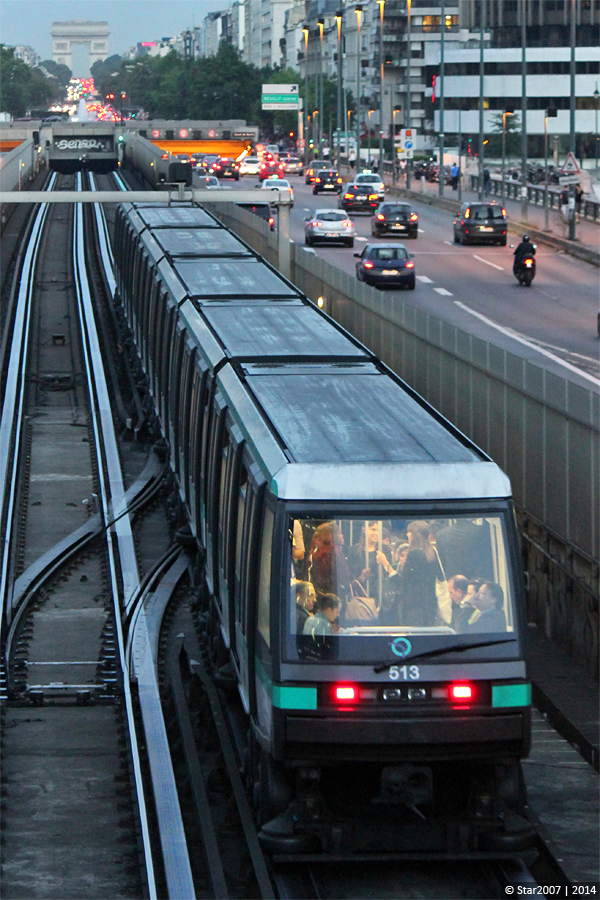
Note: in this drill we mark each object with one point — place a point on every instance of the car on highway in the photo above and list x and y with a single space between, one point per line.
270 167
274 184
263 210
395 218
250 165
328 181
386 265
207 164
293 165
329 226
183 157
481 223
211 183
227 168
314 167
358 198
374 183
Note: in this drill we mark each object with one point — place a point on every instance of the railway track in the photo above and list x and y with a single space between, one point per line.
124 768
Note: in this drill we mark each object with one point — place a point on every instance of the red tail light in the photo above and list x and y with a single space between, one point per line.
316 223
504 213
467 213
347 223
461 692
348 196
271 220
413 217
381 217
369 265
529 263
318 180
345 693
373 197
339 181
164 155
410 265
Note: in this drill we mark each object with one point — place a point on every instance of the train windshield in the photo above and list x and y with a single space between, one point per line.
358 585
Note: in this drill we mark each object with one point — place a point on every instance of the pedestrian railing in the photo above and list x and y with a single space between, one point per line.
590 209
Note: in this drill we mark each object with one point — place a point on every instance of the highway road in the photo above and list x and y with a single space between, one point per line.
554 322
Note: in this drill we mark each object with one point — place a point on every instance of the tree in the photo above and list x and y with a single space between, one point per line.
513 136
59 71
102 67
22 87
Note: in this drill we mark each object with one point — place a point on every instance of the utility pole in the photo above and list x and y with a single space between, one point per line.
338 19
481 86
572 137
524 156
321 24
442 30
358 11
305 32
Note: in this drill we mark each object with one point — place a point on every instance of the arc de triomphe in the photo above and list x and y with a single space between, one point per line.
65 35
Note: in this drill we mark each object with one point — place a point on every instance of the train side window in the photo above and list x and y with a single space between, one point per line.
264 580
195 424
184 418
175 382
165 355
241 509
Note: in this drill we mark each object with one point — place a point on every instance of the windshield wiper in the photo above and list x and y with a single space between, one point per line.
459 648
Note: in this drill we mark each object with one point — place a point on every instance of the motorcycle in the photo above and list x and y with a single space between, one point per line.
525 270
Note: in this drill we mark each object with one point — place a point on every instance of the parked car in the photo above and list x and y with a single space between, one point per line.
263 210
374 183
395 218
293 165
328 181
383 265
358 198
481 223
329 226
316 164
227 168
250 165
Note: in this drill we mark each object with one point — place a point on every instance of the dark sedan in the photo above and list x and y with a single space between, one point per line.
358 198
327 181
481 223
395 218
385 265
227 168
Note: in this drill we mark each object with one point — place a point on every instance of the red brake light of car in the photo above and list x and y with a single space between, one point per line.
381 217
271 220
373 197
369 265
410 265
504 213
461 692
164 155
467 213
345 693
339 181
348 196
316 223
318 180
413 217
347 223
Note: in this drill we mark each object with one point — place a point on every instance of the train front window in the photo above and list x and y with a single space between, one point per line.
357 584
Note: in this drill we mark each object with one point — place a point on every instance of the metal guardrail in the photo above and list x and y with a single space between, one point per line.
590 209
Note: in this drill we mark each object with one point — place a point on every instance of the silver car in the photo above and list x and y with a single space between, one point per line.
329 226
250 165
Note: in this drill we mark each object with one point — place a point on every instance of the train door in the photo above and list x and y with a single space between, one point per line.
175 394
231 453
211 483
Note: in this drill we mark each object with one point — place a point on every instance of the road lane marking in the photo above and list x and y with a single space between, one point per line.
357 238
527 343
487 262
443 292
421 230
424 279
449 243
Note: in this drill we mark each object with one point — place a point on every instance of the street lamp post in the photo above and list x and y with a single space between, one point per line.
407 111
338 19
358 11
482 5
441 136
395 110
524 156
550 114
572 136
370 112
320 104
305 32
509 111
460 154
597 97
381 5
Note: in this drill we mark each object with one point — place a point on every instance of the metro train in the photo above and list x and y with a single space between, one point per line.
337 515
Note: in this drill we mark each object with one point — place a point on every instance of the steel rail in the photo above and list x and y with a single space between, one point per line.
102 422
11 423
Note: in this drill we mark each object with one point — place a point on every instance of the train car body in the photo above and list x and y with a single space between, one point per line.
385 720
159 167
74 146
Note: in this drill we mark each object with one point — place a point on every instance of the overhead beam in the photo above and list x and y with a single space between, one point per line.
276 196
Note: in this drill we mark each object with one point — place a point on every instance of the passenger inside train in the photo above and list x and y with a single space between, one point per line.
369 579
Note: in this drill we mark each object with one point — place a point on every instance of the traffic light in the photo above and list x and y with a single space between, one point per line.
121 138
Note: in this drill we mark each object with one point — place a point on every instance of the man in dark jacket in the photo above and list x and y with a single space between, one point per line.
489 616
523 251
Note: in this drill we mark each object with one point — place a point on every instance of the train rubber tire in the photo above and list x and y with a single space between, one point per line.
272 791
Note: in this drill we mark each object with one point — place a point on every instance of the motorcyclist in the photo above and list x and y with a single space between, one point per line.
524 250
